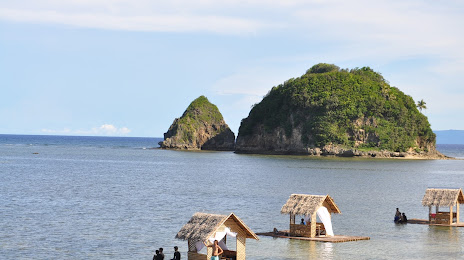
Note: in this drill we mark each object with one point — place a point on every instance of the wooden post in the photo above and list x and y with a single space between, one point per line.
451 215
209 253
430 214
191 246
313 224
241 246
457 212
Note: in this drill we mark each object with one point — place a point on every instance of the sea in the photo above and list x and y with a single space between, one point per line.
69 197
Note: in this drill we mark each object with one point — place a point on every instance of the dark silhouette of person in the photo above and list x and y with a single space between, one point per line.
397 218
176 254
161 254
156 256
302 222
404 219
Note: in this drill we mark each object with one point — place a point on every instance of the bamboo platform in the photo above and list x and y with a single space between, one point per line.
426 222
334 239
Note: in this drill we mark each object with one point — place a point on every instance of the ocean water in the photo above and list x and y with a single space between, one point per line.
110 197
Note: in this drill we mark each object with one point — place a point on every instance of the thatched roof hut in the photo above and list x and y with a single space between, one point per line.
309 205
305 205
443 198
204 226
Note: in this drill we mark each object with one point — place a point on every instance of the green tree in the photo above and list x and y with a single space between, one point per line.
421 105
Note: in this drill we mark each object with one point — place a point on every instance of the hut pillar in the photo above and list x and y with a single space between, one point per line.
451 215
241 247
313 224
430 213
209 253
457 213
191 246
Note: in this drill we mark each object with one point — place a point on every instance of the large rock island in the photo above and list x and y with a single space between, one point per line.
341 112
201 127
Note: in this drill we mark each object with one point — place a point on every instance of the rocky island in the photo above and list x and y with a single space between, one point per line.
201 127
340 112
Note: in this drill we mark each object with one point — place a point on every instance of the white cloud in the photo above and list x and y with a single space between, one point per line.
158 22
104 130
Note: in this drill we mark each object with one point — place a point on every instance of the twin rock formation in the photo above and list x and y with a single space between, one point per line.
326 111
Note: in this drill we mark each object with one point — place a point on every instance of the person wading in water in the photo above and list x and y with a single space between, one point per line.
217 250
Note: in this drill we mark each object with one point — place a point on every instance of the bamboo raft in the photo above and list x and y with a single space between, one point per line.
334 239
426 222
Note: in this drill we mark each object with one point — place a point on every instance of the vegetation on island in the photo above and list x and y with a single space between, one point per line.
195 116
330 105
421 105
200 127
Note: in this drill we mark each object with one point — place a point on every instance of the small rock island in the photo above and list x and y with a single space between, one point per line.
340 112
201 127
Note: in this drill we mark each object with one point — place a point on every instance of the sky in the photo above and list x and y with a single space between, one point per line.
130 67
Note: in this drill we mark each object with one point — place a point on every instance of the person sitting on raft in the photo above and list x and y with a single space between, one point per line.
397 216
404 219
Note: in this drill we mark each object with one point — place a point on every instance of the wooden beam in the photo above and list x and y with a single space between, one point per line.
313 224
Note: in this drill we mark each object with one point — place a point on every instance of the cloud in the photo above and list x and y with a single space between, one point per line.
157 22
103 130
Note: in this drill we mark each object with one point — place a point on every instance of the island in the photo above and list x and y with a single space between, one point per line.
339 112
201 127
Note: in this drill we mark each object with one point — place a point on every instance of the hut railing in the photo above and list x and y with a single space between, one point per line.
299 230
196 256
442 217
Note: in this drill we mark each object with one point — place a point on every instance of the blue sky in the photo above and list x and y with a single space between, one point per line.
128 68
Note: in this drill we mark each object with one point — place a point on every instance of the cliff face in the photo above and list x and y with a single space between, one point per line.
329 111
201 127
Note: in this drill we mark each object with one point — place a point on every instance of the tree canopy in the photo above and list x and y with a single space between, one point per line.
326 102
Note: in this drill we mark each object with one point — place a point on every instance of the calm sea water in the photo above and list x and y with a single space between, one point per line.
117 198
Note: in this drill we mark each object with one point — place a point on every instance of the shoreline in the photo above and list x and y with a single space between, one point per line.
362 155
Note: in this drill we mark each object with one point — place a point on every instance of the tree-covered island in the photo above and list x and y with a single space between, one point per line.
201 127
333 111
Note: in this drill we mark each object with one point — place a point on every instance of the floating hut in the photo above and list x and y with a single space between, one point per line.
310 206
203 227
444 198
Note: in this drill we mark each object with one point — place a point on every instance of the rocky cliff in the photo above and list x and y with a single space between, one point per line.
201 127
333 111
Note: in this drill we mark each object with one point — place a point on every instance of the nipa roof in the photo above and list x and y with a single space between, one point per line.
203 225
303 204
442 197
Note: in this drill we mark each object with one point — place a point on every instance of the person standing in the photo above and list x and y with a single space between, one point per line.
176 253
217 250
161 254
